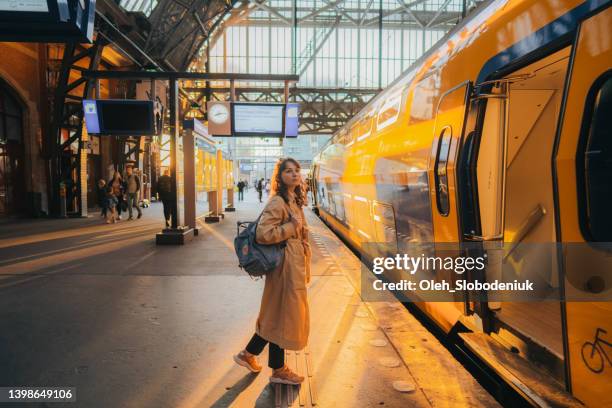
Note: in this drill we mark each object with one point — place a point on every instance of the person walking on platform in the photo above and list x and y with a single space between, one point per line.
102 201
110 206
284 320
259 187
133 190
164 189
240 190
118 189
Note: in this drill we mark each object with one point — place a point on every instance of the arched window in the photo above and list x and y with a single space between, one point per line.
11 152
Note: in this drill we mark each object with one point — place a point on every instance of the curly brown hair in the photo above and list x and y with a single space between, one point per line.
280 188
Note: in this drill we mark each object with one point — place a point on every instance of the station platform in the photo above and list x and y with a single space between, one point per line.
130 324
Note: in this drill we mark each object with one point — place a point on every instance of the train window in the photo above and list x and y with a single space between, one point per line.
595 163
365 127
332 203
339 207
440 171
384 217
424 98
389 112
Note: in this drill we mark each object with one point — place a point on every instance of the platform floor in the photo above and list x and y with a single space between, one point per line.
130 324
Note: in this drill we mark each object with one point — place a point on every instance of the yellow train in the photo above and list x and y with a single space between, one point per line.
501 133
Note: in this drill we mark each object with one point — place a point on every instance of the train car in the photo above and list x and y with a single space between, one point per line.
499 134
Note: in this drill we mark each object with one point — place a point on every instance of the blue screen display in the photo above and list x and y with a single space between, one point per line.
92 122
291 120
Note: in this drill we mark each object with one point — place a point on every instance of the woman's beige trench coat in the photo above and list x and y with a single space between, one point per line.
284 317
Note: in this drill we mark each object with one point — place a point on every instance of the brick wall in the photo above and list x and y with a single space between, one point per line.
22 68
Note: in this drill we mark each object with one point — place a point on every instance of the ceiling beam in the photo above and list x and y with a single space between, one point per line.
260 4
318 47
440 10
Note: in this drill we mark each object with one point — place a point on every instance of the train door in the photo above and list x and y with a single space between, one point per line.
450 116
515 195
583 164
448 130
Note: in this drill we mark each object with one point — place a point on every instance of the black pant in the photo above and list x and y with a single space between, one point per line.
276 355
167 203
119 201
240 195
260 193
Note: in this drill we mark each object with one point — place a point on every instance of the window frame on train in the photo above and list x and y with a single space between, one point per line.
595 220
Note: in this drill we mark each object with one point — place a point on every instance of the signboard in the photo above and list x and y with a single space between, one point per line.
47 20
253 119
39 6
257 119
92 122
198 127
119 117
291 120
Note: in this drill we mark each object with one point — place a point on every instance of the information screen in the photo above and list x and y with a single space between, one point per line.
119 117
291 120
24 5
126 117
260 119
92 121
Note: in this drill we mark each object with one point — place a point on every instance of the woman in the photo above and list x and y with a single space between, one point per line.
118 188
283 320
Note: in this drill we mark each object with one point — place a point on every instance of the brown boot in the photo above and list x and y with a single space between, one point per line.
248 360
286 376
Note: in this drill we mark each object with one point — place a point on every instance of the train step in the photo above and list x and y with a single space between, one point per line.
538 388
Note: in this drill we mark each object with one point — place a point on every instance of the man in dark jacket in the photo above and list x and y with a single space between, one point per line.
241 185
259 187
164 190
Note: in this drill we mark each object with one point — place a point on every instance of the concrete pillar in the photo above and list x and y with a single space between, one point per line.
220 175
189 179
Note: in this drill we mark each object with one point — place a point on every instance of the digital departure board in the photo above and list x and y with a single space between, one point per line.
119 117
47 20
250 119
39 6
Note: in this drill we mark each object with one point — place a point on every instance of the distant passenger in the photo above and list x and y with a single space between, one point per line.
118 189
133 190
110 205
241 186
284 319
268 185
102 197
164 189
259 187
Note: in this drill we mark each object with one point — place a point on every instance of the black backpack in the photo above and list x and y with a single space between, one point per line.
164 184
